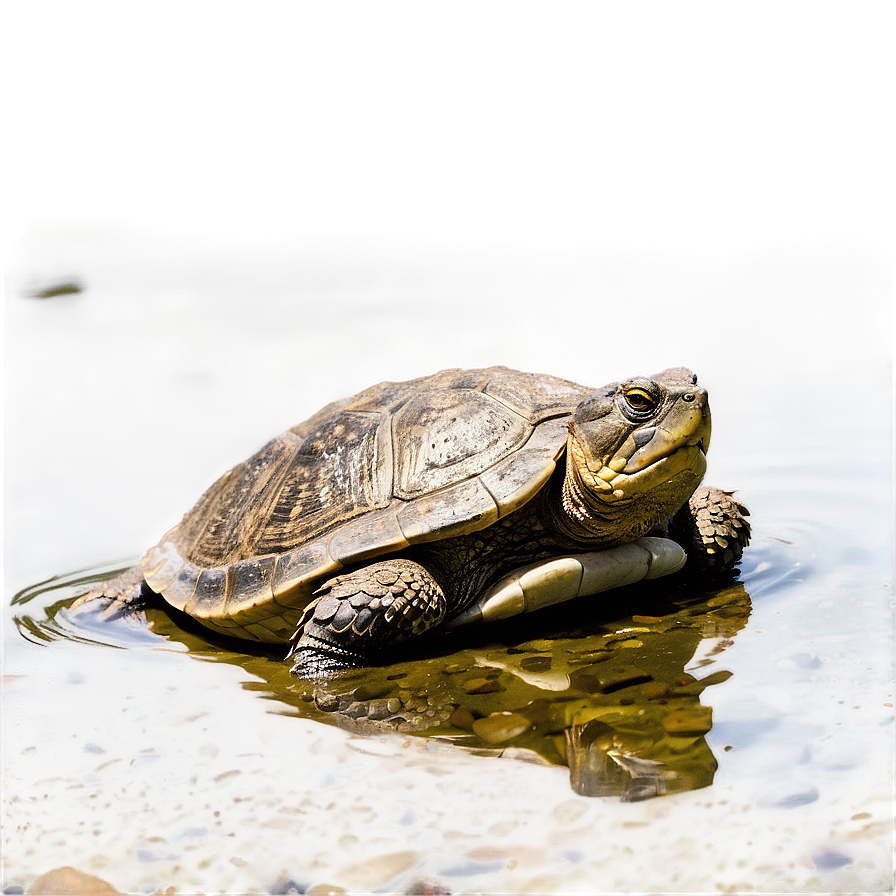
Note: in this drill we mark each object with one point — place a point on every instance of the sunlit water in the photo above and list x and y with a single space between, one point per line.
153 756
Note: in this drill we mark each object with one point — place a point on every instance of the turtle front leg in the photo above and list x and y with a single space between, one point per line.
357 616
713 530
123 595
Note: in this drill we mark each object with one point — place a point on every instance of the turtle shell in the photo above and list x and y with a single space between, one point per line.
398 464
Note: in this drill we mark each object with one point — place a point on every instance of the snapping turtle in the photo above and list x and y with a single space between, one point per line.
415 504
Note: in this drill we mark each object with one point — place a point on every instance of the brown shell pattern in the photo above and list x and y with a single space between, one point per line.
397 464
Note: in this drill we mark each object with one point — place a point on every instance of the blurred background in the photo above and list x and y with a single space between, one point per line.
697 129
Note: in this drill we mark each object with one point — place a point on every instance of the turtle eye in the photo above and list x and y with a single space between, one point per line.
640 400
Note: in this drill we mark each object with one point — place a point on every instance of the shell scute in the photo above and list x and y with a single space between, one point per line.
443 437
181 590
462 508
209 594
298 568
457 378
365 537
249 588
534 396
225 524
341 471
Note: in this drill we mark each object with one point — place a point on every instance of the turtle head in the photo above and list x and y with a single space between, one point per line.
636 451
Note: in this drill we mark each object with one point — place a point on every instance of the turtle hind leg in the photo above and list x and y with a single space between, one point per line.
713 530
122 595
356 617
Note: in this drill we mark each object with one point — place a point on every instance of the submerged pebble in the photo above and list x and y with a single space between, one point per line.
286 886
501 727
427 887
688 722
605 678
826 859
481 686
379 870
462 718
71 882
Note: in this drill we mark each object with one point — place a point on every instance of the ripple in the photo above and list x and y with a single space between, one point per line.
42 613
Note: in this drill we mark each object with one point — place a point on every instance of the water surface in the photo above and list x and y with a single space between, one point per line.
154 756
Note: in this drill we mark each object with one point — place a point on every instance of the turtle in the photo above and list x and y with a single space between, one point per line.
414 505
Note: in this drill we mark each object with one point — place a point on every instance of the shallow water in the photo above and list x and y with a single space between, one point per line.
154 757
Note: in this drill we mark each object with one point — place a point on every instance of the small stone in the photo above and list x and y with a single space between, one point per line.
688 722
539 645
713 678
70 880
52 288
649 620
327 702
607 678
286 886
324 890
827 858
653 690
481 686
784 792
501 727
370 692
427 887
454 668
374 873
378 710
462 718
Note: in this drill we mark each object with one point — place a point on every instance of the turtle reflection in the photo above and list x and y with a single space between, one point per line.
611 700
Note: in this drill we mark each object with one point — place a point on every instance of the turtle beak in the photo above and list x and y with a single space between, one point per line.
687 424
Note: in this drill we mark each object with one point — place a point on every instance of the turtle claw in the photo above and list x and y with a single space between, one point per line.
122 595
317 659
